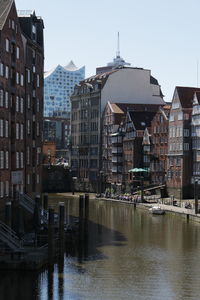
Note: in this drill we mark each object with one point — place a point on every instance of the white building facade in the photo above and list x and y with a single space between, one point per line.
58 86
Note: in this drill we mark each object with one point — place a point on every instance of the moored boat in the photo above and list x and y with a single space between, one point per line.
157 210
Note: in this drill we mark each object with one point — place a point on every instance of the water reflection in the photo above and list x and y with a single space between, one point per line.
126 254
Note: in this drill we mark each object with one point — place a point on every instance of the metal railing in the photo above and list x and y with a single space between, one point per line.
27 203
9 237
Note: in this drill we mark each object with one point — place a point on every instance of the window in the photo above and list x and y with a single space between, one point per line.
1 128
7 45
38 129
7 160
1 98
33 28
6 99
38 80
186 132
180 116
28 179
175 105
38 155
28 101
1 69
38 105
38 178
186 146
34 32
7 72
22 160
28 127
17 104
1 189
6 128
1 159
28 155
22 105
17 160
17 52
7 188
28 76
13 24
22 80
17 78
17 131
186 116
21 131
171 118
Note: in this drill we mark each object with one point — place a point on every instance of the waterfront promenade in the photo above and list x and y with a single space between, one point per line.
189 214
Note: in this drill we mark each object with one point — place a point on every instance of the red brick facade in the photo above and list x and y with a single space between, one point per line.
19 102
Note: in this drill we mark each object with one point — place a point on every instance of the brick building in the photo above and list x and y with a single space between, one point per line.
195 134
32 34
135 127
122 144
19 128
180 160
49 153
159 145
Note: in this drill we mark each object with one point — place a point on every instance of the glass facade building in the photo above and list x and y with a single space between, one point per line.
58 86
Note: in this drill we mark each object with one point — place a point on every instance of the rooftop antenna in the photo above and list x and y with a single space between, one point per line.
118 50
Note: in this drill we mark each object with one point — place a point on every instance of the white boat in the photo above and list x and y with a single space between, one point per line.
157 210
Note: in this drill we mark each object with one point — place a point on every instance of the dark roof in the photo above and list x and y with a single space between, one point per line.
141 120
186 95
153 80
138 107
198 96
98 76
5 6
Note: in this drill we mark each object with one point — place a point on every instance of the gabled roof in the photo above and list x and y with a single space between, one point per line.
197 94
115 108
5 6
141 120
186 95
99 76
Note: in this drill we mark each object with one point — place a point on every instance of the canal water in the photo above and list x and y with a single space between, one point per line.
129 254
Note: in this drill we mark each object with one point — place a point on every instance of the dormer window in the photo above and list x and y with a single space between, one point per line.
7 45
34 32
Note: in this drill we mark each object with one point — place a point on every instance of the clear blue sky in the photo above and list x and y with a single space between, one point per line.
160 35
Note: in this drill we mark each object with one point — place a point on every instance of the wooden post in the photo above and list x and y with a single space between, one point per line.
86 225
87 199
8 214
36 214
61 224
51 244
45 201
81 228
142 190
196 196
